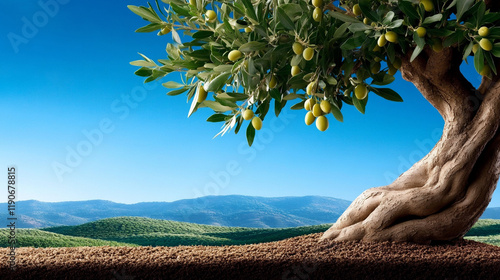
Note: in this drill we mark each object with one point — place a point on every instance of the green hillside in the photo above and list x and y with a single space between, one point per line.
134 231
486 231
127 226
40 238
145 231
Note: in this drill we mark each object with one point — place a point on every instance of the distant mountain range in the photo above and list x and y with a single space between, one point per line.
232 210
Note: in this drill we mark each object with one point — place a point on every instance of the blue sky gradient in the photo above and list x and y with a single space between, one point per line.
80 125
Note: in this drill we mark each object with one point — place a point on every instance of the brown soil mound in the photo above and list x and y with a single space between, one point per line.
296 258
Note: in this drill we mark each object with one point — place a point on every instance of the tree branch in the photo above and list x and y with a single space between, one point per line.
485 85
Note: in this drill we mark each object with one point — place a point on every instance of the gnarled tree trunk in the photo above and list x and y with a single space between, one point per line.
445 193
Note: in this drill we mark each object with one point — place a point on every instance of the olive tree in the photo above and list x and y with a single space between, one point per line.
244 58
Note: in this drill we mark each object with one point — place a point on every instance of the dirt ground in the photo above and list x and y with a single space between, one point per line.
296 258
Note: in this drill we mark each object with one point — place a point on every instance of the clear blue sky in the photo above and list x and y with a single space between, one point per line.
70 76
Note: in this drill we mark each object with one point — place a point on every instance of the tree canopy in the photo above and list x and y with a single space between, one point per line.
242 57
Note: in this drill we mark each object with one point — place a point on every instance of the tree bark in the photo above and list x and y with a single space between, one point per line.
444 194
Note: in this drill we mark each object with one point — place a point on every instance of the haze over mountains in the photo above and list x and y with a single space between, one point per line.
232 210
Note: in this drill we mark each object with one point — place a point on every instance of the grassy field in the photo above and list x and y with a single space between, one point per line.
40 238
135 231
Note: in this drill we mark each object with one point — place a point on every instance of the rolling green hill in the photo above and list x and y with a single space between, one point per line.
134 231
486 231
40 238
145 231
